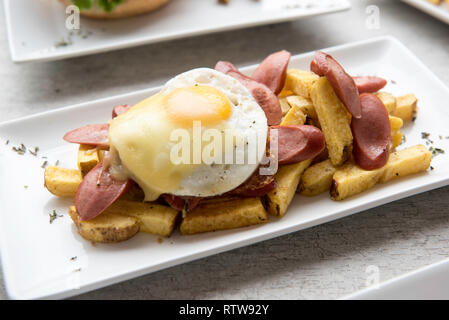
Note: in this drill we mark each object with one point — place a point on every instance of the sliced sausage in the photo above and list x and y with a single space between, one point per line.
371 134
255 186
342 83
266 99
273 71
118 110
93 134
369 84
98 191
298 143
182 203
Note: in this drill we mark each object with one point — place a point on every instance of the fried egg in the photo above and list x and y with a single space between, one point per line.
199 109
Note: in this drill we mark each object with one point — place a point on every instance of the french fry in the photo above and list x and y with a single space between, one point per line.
317 179
388 100
294 116
334 121
62 182
106 228
396 134
88 158
284 106
218 215
350 180
277 201
304 104
153 218
437 2
406 107
300 82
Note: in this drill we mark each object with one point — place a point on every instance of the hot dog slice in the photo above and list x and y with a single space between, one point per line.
298 143
98 191
342 83
118 110
93 134
257 185
266 99
371 134
273 71
182 203
369 84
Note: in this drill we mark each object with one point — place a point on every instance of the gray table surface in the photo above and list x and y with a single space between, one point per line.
324 262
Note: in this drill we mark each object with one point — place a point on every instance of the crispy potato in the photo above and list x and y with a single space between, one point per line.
294 117
350 179
219 215
388 100
153 218
285 93
62 182
106 228
437 2
406 107
396 139
304 104
300 81
277 201
396 135
284 106
88 158
333 119
317 179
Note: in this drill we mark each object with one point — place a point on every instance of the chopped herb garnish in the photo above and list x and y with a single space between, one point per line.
44 164
26 187
436 151
73 258
34 153
57 162
431 168
77 270
425 135
7 142
54 216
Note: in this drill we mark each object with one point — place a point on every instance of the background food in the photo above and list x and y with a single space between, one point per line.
117 8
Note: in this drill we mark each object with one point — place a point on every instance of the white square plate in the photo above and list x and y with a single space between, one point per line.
36 254
440 12
45 24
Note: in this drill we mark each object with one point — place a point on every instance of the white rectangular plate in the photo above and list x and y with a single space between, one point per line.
430 282
45 24
36 255
440 12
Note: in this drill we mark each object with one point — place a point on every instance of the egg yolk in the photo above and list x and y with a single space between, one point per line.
197 103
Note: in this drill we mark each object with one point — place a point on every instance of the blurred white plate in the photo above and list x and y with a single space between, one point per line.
36 29
36 255
430 282
440 12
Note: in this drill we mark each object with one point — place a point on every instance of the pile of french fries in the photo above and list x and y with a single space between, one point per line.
305 99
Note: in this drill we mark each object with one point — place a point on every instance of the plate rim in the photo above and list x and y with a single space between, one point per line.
146 40
430 9
139 271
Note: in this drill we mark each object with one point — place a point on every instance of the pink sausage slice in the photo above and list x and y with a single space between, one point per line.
298 143
182 203
93 134
266 99
98 191
371 134
273 71
369 84
343 84
118 110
